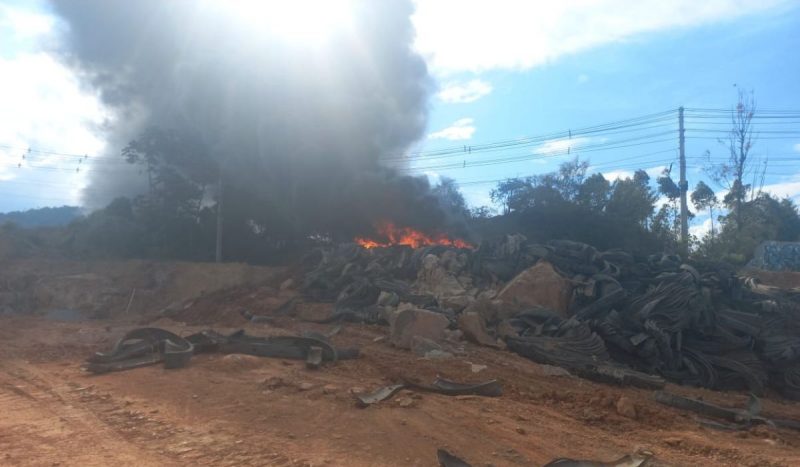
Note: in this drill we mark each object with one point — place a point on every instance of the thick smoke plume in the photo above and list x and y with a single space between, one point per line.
296 129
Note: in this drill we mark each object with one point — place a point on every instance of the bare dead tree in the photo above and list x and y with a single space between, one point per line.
739 142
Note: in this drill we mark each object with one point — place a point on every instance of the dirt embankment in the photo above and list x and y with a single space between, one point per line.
243 410
109 288
780 279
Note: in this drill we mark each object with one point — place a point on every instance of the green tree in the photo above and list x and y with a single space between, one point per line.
764 218
547 189
507 193
703 197
180 173
594 192
632 199
481 212
666 222
569 178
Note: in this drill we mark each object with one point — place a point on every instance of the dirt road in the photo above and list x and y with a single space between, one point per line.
242 410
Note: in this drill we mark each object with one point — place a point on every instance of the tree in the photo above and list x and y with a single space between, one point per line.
703 197
594 192
667 186
507 192
547 189
632 199
569 178
481 212
739 142
666 223
763 218
179 172
450 198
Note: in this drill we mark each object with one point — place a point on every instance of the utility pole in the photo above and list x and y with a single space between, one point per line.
683 185
219 218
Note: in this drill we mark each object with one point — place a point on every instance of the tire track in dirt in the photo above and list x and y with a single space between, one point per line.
49 421
41 427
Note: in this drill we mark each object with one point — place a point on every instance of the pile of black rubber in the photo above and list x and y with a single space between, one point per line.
694 323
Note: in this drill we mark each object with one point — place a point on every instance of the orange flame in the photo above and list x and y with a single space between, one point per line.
408 236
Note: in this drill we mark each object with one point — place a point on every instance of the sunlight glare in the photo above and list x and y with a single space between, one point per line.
310 22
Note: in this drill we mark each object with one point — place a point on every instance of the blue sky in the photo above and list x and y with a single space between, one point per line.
694 65
505 70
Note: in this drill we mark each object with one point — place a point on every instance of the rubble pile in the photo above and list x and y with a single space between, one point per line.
606 315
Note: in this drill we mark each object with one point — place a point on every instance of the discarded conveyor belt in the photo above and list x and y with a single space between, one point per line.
737 419
443 386
639 459
690 322
148 346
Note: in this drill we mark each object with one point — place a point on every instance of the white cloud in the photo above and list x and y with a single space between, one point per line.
23 23
460 130
44 107
434 178
561 145
583 79
456 92
700 230
657 171
617 175
479 35
788 189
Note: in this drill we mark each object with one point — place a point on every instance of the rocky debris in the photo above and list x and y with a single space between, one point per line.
305 386
437 277
474 329
405 401
491 311
625 407
505 330
438 355
539 286
447 459
456 303
388 298
550 370
413 322
422 345
314 358
273 382
611 316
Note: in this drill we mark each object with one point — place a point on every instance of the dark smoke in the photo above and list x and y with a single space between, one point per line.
295 129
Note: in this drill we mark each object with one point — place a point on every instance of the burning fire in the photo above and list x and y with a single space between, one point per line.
408 236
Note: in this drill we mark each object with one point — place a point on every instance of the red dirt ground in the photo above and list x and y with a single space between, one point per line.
242 410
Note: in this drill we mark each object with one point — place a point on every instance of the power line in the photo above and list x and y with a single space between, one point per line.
774 119
533 156
530 142
646 119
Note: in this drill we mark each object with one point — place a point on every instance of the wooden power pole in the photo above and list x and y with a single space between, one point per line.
683 185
